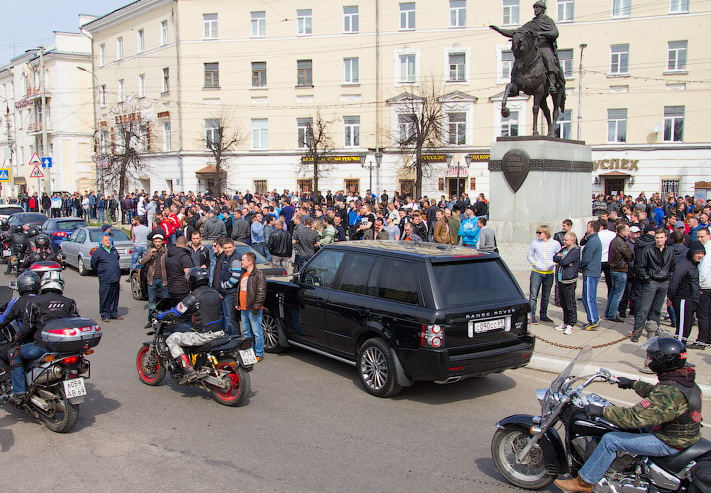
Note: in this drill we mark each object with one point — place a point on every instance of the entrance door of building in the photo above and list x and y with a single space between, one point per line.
614 186
456 186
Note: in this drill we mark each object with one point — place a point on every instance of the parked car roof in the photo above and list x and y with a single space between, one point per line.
433 251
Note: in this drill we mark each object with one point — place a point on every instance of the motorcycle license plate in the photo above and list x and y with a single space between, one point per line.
489 325
74 387
248 356
6 253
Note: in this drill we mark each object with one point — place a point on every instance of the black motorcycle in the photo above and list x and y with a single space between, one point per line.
222 365
530 452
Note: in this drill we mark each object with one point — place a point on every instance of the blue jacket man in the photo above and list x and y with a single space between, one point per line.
105 262
591 267
469 230
228 270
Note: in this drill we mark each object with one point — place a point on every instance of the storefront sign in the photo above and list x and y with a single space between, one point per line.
480 157
23 103
129 117
332 159
434 158
630 164
454 171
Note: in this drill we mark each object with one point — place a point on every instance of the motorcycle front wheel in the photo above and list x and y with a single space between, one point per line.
531 473
238 389
63 416
150 372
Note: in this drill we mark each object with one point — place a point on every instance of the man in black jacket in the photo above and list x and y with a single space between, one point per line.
19 246
654 269
105 262
684 291
279 245
198 252
177 264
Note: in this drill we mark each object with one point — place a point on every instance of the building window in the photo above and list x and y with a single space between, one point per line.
406 127
457 67
621 8
163 33
351 71
671 186
142 86
212 132
457 128
676 55
167 137
102 55
673 124
102 94
509 125
104 142
121 90
457 13
407 16
619 59
510 12
565 10
566 62
351 131
304 185
212 75
304 22
408 67
209 26
507 61
260 134
141 41
303 131
679 6
259 24
563 127
259 74
119 48
350 19
352 186
617 125
259 186
304 73
166 80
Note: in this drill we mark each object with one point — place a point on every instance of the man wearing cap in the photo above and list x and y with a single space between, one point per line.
680 227
156 276
469 230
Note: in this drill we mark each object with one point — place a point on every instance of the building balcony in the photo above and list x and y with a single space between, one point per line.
36 127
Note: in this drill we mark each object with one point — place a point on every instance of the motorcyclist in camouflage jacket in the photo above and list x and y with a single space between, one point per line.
671 410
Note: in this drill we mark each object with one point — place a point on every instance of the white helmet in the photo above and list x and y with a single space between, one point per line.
52 281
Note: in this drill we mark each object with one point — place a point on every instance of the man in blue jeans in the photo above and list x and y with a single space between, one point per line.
227 273
540 256
156 275
252 293
619 258
591 267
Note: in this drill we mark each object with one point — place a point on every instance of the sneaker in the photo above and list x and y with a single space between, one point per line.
560 327
592 326
105 320
119 318
614 319
544 318
568 330
635 337
18 398
696 345
533 321
260 358
148 325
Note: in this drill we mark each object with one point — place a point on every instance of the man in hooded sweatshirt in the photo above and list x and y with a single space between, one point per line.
177 264
213 227
684 290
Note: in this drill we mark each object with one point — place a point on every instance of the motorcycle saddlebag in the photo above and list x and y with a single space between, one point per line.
701 477
71 335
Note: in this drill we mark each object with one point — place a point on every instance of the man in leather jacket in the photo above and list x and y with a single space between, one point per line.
252 294
671 409
279 245
20 246
654 268
202 305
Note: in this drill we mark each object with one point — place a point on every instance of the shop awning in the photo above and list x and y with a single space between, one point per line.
209 170
702 184
613 174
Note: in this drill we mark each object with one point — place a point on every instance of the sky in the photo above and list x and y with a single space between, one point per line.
28 24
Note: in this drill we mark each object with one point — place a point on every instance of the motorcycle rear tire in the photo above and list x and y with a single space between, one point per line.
149 378
61 421
532 475
239 388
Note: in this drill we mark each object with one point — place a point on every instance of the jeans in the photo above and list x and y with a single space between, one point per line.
252 325
302 261
590 298
211 252
619 281
101 213
229 313
650 306
153 295
567 302
138 252
544 283
259 246
606 451
27 352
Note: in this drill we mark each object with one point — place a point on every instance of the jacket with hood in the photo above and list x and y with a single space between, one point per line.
685 280
177 260
213 228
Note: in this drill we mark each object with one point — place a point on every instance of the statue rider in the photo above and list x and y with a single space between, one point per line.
545 30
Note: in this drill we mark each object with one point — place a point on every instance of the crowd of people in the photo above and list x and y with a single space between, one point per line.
652 254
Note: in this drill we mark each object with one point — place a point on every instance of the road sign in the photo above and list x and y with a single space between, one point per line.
35 159
47 162
36 173
5 174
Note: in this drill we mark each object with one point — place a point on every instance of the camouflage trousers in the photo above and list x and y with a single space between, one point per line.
177 340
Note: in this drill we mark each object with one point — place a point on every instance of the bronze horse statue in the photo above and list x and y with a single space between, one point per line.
529 76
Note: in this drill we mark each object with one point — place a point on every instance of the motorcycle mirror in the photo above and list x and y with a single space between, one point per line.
13 285
605 373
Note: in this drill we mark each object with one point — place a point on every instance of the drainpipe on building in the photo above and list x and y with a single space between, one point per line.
378 89
180 100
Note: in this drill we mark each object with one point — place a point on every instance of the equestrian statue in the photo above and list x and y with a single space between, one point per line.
536 70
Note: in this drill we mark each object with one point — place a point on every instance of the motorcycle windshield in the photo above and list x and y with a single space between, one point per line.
574 369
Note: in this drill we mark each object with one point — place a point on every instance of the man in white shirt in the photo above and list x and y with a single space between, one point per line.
703 310
606 237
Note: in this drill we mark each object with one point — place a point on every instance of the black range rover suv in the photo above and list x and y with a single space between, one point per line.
403 312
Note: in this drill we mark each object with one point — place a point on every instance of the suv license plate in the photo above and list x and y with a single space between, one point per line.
74 387
489 325
248 356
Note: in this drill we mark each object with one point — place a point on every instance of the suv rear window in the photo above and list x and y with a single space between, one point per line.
466 283
7 210
70 224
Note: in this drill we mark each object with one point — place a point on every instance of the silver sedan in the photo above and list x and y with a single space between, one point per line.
79 247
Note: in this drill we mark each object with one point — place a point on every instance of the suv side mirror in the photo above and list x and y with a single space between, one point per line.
297 278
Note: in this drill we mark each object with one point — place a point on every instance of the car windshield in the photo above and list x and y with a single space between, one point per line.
70 224
467 283
6 211
242 249
116 234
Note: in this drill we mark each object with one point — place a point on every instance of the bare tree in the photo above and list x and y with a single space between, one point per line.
222 136
420 127
318 147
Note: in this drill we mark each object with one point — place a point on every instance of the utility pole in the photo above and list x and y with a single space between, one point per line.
45 147
378 99
580 92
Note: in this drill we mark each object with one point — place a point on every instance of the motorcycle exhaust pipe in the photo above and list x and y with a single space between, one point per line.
41 403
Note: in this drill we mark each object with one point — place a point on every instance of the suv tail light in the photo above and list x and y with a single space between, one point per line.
432 336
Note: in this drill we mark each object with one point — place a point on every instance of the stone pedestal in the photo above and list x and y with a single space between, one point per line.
535 181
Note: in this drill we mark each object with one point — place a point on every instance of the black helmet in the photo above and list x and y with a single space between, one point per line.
42 241
33 231
665 354
198 276
52 281
19 229
4 224
28 282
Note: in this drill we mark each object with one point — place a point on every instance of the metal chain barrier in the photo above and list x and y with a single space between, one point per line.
568 346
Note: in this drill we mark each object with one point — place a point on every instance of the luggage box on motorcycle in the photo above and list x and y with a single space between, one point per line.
67 335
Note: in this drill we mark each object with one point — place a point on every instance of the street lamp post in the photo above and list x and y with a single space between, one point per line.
468 160
378 162
580 92
448 160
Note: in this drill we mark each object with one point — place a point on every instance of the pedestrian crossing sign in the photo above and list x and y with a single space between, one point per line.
4 174
36 172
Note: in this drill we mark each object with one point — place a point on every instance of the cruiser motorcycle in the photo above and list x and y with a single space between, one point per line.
530 452
223 364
